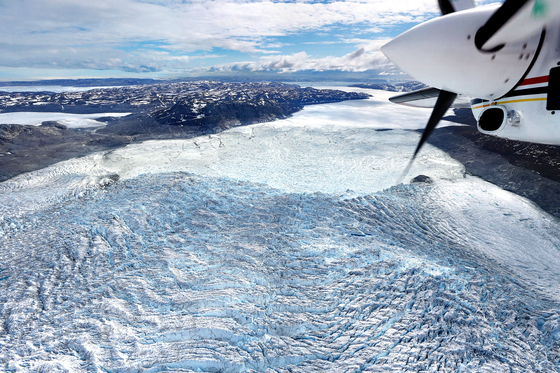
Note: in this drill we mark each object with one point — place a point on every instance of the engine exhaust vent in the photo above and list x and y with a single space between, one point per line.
492 119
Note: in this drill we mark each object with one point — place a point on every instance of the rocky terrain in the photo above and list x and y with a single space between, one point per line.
158 111
192 96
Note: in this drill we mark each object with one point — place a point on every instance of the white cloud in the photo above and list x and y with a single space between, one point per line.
367 57
150 35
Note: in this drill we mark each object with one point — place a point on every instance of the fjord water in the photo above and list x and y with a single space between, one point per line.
282 246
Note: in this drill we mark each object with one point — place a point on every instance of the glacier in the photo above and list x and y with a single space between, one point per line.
277 247
69 120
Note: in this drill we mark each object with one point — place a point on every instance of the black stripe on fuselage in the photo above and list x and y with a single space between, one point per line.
537 53
527 92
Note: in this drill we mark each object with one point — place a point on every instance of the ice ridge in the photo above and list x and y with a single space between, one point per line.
177 272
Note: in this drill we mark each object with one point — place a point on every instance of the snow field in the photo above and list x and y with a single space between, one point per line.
279 247
69 120
176 271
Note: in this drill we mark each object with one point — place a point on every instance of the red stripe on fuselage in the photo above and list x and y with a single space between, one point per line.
540 79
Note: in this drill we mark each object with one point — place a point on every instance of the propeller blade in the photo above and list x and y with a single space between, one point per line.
445 7
516 20
444 102
504 13
450 6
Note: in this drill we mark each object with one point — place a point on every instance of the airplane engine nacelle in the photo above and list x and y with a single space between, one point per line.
442 53
505 57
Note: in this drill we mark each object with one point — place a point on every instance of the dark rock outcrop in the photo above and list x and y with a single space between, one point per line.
422 179
259 102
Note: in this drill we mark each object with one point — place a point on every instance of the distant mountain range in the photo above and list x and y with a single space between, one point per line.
297 77
81 82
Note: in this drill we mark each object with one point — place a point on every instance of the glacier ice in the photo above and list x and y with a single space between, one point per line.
178 271
176 256
318 149
69 120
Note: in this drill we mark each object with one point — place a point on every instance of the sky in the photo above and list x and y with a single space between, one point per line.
48 39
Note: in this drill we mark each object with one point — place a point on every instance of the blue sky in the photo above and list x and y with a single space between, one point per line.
175 38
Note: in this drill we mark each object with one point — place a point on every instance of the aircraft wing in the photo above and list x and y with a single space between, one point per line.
427 97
